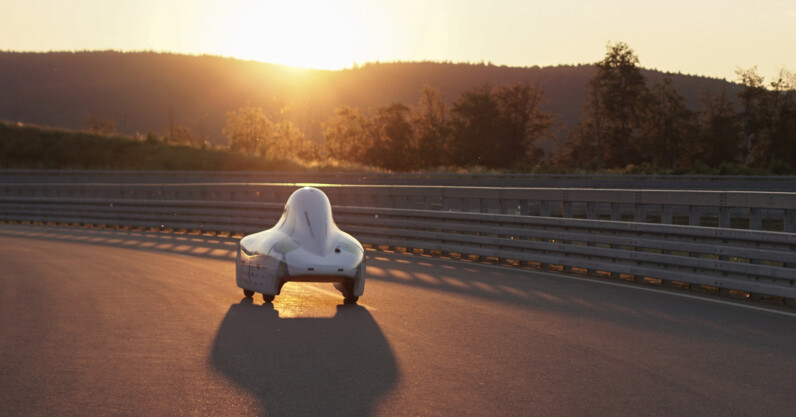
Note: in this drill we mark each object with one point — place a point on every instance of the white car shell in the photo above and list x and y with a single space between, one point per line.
304 245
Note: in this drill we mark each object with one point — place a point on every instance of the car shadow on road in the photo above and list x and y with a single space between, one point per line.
338 366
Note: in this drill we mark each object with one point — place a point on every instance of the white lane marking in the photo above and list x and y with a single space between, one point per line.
337 294
615 284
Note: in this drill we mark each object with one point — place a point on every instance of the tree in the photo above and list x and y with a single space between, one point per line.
100 125
753 117
783 119
475 126
522 122
619 90
309 151
347 134
248 129
287 139
429 119
595 128
180 135
290 142
668 126
393 135
718 132
498 128
768 118
584 148
579 150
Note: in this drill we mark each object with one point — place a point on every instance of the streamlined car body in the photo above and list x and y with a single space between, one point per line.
304 245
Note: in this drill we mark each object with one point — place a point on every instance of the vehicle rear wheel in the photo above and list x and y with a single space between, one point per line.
347 289
348 292
248 293
268 297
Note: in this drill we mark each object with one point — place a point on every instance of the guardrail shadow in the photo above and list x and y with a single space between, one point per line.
453 276
305 366
488 286
450 275
204 245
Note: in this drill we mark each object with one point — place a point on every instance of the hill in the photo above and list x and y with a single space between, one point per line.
146 91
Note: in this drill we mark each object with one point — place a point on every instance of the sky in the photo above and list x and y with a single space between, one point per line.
700 37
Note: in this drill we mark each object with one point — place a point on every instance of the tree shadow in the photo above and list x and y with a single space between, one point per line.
305 366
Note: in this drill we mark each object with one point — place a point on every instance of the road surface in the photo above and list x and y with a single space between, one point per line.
114 322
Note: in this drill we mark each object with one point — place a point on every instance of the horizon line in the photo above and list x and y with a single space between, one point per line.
354 65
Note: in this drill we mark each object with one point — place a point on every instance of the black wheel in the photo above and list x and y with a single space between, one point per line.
348 292
268 297
347 289
248 293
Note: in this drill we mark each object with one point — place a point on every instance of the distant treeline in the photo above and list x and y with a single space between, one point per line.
489 127
146 91
625 124
632 120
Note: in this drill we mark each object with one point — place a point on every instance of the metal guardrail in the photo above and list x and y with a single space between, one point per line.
593 181
724 209
757 262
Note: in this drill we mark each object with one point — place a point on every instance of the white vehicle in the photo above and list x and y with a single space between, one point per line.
305 245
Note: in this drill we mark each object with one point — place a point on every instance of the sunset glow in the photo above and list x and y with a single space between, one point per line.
321 37
695 37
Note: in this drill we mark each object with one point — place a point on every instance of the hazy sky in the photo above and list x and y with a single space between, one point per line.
704 37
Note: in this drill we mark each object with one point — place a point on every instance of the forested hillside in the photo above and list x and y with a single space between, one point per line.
142 92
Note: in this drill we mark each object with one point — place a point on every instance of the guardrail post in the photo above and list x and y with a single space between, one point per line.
640 213
545 209
724 212
666 214
591 210
567 209
524 209
639 210
695 215
789 221
484 204
755 218
724 217
616 211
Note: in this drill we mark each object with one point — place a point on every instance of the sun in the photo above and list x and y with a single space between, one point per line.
307 34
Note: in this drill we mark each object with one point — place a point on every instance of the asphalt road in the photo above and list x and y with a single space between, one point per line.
108 322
